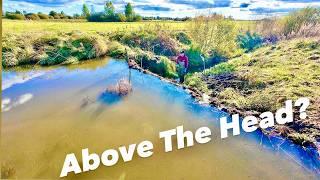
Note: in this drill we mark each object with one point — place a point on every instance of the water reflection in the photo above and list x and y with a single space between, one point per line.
71 111
7 104
109 98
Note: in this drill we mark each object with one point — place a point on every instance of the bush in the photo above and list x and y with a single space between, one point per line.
121 17
296 20
57 16
96 17
160 44
164 67
43 16
221 68
116 50
137 18
157 64
303 23
183 38
249 41
89 47
15 16
117 17
215 34
32 16
196 62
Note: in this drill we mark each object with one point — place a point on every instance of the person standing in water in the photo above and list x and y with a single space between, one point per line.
182 65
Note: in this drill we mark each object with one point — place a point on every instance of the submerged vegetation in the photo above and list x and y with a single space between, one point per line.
122 88
252 66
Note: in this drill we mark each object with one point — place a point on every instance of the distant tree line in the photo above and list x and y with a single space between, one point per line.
18 15
158 18
109 14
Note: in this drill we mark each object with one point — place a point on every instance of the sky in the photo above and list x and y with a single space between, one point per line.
238 9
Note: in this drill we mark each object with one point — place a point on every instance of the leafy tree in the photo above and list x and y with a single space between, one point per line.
85 11
121 17
53 13
76 16
109 9
110 15
129 12
137 18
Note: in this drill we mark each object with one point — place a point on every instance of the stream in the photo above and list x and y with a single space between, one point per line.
49 112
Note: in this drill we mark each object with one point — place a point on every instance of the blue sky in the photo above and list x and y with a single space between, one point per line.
239 9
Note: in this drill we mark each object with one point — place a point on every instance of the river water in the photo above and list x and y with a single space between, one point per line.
51 112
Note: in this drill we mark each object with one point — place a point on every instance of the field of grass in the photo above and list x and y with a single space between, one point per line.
264 79
18 26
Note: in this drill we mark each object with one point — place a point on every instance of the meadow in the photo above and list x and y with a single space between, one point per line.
18 26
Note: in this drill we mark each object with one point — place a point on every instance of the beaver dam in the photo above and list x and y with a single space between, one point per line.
53 121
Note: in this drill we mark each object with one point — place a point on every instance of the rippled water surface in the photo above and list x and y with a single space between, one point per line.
50 112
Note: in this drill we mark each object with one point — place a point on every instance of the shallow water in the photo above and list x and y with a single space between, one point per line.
50 112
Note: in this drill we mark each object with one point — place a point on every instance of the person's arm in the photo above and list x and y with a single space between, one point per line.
177 59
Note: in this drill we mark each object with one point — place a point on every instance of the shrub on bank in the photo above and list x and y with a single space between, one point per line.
196 62
249 41
158 43
183 38
117 50
296 20
303 23
222 68
160 65
215 34
51 49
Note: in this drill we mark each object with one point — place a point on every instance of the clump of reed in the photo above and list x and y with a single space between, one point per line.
122 88
304 23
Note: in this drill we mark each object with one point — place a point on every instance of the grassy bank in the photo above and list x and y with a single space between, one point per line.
262 80
48 49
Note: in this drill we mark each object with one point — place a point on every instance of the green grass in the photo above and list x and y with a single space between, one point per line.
221 68
288 70
274 74
18 26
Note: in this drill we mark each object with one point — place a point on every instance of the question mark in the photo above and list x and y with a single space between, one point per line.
304 103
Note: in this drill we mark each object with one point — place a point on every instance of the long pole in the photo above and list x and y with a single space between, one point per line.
204 62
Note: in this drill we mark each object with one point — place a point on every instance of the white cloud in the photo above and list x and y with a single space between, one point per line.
250 9
7 104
